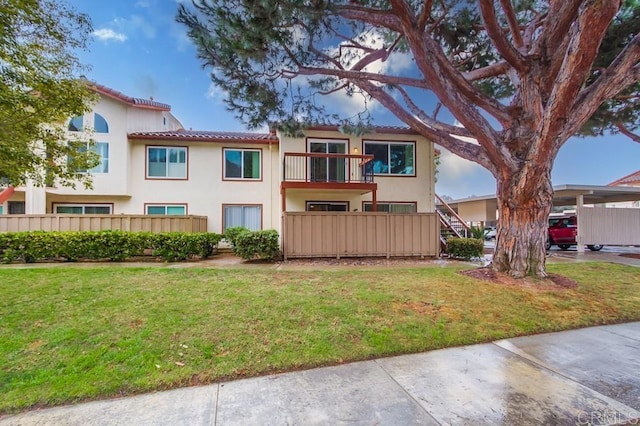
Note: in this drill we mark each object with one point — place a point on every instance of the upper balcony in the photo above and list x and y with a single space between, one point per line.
310 170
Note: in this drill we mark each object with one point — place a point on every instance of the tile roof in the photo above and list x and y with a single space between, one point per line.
206 136
633 178
377 129
134 102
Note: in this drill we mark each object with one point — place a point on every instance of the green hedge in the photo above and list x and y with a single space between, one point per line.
113 245
253 245
465 248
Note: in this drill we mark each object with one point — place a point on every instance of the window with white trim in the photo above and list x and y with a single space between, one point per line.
102 150
242 164
166 209
82 208
249 217
76 124
392 158
392 207
166 162
1 209
100 124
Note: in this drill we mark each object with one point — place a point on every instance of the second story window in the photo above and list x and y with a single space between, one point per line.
76 124
100 148
392 158
165 162
242 164
100 125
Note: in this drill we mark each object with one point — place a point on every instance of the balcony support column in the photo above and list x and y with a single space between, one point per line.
374 201
283 194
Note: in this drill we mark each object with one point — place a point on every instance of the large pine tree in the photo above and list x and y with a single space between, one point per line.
521 76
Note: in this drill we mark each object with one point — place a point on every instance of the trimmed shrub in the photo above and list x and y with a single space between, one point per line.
465 248
112 245
173 246
231 235
257 245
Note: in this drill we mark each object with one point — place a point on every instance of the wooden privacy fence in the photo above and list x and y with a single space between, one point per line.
359 234
101 222
608 226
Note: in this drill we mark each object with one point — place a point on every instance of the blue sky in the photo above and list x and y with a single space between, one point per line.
137 48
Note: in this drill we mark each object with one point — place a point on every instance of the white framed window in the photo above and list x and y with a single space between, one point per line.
1 209
82 208
243 164
392 158
76 124
166 162
100 124
389 207
100 148
166 209
249 216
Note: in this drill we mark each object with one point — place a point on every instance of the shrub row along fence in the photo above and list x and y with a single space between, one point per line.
112 245
120 245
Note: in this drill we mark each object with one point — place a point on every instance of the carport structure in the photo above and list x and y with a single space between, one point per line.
596 223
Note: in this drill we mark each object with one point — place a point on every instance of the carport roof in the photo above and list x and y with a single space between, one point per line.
566 195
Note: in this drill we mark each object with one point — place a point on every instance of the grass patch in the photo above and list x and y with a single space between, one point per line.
71 334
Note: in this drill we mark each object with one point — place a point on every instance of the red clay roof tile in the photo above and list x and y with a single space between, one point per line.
134 102
206 136
627 180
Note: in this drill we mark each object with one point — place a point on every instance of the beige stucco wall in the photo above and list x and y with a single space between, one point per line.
115 181
205 191
419 188
478 211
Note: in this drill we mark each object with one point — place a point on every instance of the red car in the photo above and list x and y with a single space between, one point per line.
563 231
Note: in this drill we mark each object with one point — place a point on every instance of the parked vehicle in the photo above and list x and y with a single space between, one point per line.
489 232
563 232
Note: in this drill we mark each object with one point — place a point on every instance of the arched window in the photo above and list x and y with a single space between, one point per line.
100 124
75 125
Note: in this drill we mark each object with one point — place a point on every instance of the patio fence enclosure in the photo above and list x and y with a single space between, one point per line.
609 226
356 234
102 222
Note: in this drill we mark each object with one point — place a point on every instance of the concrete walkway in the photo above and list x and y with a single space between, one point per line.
579 377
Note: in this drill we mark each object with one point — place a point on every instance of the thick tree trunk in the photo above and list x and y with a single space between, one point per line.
523 213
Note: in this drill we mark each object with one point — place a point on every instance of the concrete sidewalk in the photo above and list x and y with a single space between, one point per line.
579 377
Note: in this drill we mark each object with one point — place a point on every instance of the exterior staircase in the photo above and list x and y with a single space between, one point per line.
451 225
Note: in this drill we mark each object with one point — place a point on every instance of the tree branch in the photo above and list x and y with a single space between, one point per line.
499 68
432 122
466 150
585 35
502 45
623 72
625 131
513 23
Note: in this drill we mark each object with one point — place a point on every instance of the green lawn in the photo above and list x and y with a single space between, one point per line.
70 334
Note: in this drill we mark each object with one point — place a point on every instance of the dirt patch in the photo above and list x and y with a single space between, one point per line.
554 282
365 261
630 255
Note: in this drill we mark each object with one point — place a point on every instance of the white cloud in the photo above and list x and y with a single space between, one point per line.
395 64
107 34
215 94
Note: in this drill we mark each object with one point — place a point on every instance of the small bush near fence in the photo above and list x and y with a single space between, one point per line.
112 245
253 245
465 248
